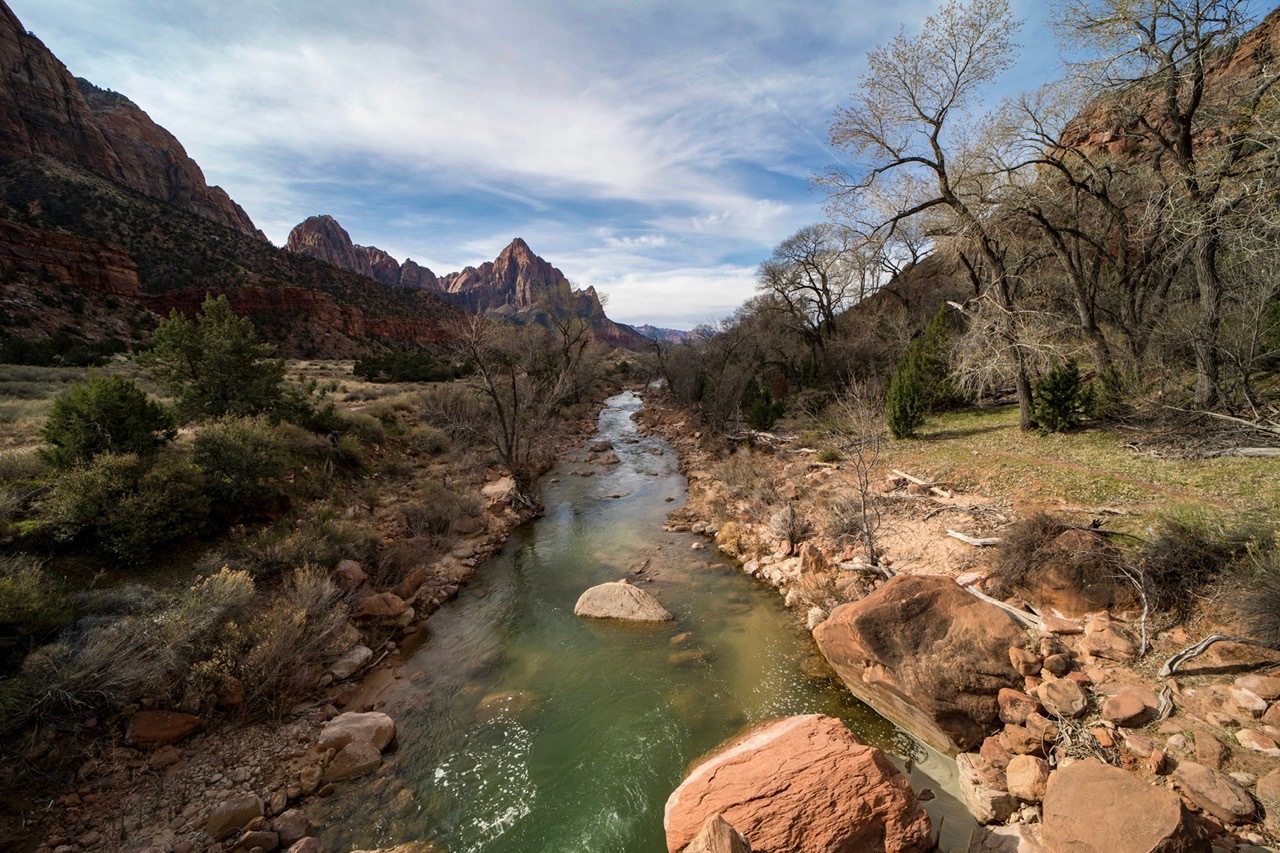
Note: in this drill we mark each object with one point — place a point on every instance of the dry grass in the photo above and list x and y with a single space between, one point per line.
985 452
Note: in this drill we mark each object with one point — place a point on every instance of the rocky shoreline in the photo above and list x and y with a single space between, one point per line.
1065 736
172 785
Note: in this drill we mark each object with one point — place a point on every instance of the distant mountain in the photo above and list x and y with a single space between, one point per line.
666 336
45 111
515 285
322 238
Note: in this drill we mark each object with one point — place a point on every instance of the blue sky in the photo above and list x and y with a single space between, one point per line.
656 150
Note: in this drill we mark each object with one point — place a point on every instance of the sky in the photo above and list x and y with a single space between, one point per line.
656 150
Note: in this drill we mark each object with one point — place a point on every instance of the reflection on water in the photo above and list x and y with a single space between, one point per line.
534 730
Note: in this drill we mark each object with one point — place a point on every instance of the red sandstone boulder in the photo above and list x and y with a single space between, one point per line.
927 655
157 728
1090 807
800 785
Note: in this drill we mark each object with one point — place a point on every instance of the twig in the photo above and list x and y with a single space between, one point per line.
1255 425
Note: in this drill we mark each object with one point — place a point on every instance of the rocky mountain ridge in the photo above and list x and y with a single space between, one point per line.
516 284
45 111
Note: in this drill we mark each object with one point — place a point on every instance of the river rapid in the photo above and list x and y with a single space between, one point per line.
524 728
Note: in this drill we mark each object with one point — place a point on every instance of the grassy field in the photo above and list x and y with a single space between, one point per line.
985 452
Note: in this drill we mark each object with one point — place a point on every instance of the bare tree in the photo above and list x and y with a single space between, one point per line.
517 394
914 119
857 429
1160 68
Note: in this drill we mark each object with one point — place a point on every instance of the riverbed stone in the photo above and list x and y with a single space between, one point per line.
291 826
351 662
1131 706
355 759
800 785
372 727
1026 777
1092 807
620 600
926 654
1063 697
230 816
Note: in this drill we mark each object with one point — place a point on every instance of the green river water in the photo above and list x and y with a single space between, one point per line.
530 729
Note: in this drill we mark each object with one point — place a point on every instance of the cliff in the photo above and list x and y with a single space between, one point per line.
44 111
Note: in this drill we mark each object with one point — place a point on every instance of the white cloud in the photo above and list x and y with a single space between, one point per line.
650 149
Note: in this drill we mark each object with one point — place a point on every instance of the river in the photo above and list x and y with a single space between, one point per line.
524 728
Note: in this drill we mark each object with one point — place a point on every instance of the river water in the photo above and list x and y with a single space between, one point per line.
521 727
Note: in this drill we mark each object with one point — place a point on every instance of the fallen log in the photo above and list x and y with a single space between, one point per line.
1024 617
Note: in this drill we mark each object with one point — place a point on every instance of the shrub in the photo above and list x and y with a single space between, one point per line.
276 654
363 426
762 410
790 526
829 454
31 602
240 458
104 414
407 366
129 506
319 539
102 666
920 383
428 439
746 476
215 365
1257 597
437 510
1063 399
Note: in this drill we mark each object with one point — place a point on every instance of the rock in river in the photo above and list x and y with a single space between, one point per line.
927 655
620 600
800 785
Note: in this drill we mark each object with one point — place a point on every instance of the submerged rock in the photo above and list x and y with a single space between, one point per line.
927 655
800 785
620 600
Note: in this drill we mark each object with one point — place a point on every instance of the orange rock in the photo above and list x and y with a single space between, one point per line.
1091 806
800 785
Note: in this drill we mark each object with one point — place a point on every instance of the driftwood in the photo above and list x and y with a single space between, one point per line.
859 566
1254 452
973 540
1197 649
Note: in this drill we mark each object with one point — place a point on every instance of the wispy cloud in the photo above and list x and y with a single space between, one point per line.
656 149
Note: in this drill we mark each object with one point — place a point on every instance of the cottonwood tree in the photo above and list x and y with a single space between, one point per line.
1161 72
815 275
914 122
513 394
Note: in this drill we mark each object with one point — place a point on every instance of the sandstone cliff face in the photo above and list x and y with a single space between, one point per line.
46 111
1111 124
59 257
322 238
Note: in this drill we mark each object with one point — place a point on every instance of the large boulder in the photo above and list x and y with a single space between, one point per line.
229 816
800 785
620 600
1214 792
927 655
1091 807
373 727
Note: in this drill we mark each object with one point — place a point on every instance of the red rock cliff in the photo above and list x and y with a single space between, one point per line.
44 110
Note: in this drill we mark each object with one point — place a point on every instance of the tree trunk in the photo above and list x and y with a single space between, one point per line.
1205 343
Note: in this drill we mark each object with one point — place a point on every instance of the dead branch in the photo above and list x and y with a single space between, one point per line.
973 540
1194 651
1268 427
1025 617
